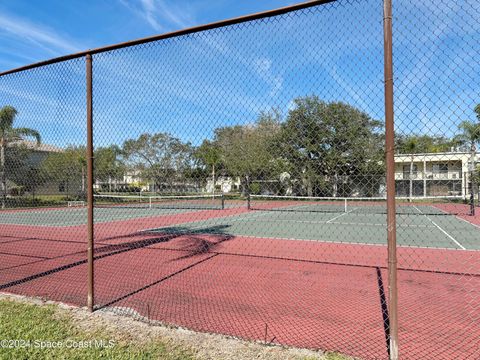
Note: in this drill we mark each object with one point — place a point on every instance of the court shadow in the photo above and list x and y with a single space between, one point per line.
193 242
196 245
197 241
384 308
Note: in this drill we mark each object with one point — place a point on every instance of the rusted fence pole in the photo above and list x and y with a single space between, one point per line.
90 254
390 162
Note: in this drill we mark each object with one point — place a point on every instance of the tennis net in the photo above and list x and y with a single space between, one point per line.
433 205
195 202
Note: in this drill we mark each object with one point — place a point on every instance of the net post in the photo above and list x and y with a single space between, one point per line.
472 203
390 173
472 189
223 200
346 205
150 205
248 202
90 218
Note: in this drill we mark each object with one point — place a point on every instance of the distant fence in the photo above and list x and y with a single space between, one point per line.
306 176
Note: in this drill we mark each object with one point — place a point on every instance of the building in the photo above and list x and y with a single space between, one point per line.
129 181
224 184
434 174
37 153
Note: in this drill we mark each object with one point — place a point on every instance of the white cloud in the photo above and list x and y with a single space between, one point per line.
149 13
26 31
160 15
179 17
262 66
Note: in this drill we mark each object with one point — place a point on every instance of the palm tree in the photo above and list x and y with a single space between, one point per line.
477 111
8 135
470 136
411 147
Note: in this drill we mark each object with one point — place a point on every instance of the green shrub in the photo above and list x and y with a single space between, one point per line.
17 191
255 188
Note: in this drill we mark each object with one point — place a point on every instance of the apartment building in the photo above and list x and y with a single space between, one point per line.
434 174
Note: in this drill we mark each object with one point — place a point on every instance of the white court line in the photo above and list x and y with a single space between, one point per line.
322 241
459 218
339 216
244 217
440 228
344 223
247 215
330 222
468 222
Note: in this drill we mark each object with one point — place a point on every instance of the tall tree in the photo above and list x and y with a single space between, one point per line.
248 151
11 135
159 157
33 178
470 137
330 144
108 165
423 143
209 154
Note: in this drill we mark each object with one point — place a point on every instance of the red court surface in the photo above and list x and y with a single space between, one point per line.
310 294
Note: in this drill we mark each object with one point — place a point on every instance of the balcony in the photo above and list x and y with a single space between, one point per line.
447 175
443 175
406 176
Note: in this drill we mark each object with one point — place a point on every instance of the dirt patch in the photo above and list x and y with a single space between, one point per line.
205 346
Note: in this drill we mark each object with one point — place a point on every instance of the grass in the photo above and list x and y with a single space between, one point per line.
334 356
44 323
28 201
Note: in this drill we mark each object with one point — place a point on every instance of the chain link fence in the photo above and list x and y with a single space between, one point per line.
239 181
437 119
42 242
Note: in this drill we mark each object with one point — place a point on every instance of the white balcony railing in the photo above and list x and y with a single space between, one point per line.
447 175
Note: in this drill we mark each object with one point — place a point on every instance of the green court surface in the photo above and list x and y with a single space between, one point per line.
416 230
78 216
443 231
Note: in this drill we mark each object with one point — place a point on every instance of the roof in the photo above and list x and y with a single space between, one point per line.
440 156
32 145
444 153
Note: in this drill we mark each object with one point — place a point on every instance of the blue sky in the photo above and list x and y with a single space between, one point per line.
32 31
191 85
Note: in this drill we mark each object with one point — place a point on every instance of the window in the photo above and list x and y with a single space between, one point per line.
62 186
406 169
440 168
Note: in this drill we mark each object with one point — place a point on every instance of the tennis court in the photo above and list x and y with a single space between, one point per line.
423 224
438 224
111 208
238 174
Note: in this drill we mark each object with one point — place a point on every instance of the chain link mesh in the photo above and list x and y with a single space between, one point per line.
437 109
43 132
240 180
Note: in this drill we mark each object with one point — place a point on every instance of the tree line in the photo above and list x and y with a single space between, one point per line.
318 148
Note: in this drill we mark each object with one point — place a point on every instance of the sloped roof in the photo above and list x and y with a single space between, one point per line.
32 145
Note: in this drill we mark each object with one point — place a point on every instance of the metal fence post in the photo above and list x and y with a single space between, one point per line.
90 228
390 162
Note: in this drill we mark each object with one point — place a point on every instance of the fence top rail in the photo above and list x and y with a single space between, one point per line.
186 31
